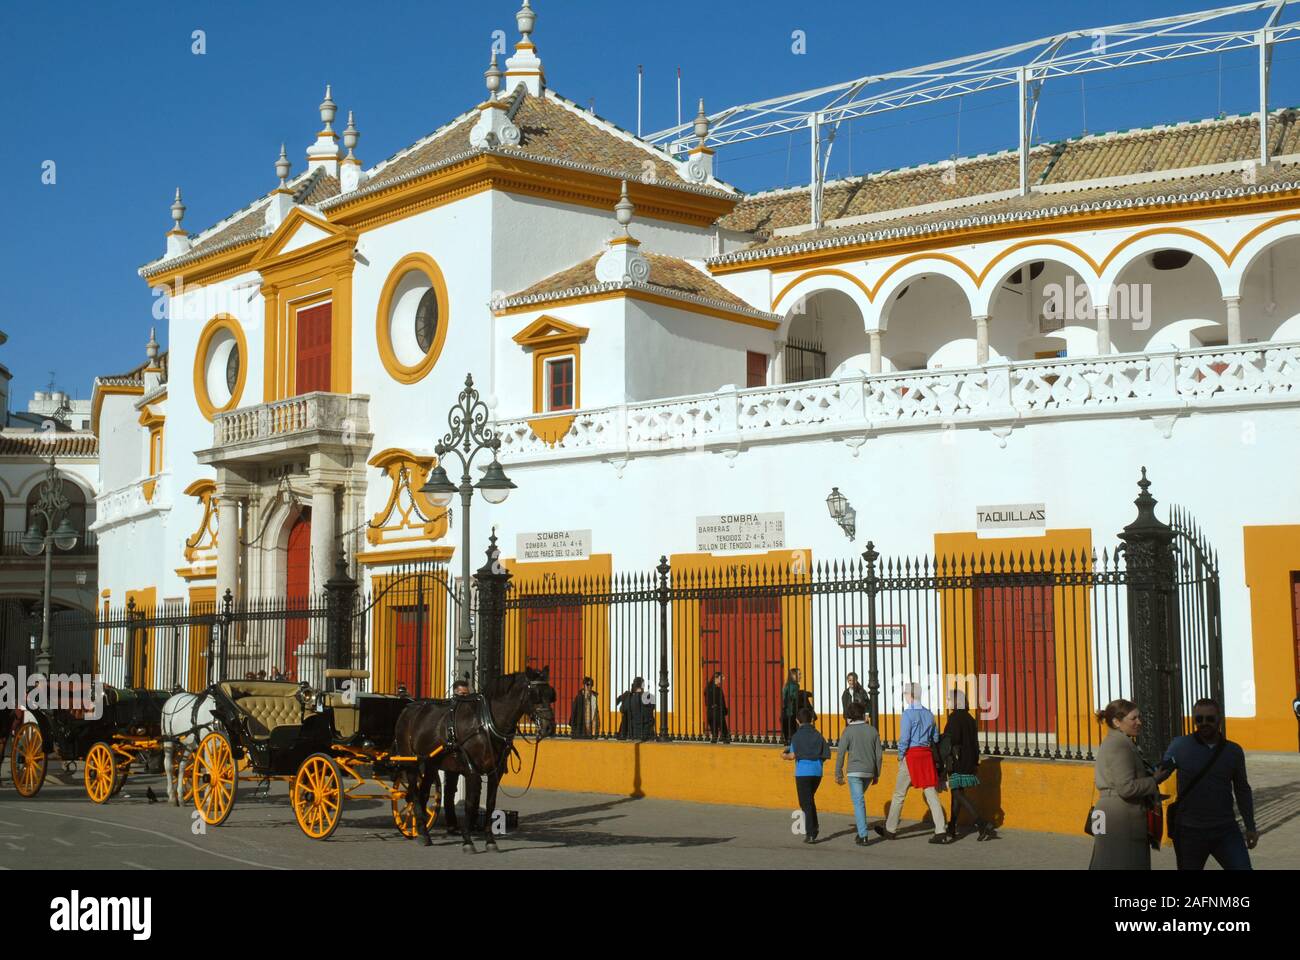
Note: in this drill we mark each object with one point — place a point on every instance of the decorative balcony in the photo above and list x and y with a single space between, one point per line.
1147 384
298 425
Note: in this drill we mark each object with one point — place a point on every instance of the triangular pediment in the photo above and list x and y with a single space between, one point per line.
299 232
546 330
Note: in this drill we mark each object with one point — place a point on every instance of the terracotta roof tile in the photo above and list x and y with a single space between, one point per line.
1130 153
45 444
135 377
672 274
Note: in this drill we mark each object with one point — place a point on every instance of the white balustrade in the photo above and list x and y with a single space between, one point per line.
996 392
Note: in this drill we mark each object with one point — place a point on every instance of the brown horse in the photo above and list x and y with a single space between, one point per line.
476 736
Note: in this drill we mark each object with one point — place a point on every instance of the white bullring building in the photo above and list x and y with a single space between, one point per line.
658 348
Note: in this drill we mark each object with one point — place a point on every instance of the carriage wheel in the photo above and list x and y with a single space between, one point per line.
404 813
317 796
101 773
28 761
214 779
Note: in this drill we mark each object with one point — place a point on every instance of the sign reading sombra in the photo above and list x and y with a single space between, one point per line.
1016 518
730 532
554 545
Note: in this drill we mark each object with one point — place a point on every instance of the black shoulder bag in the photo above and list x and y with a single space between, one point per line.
1171 812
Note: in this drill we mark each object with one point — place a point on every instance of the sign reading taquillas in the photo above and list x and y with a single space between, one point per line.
1020 518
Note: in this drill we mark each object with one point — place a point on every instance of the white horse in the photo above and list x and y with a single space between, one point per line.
186 719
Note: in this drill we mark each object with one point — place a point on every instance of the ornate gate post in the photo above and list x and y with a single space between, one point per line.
1154 654
871 584
340 598
224 620
662 595
132 638
493 581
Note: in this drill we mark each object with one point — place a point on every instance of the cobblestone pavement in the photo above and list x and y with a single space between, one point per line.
61 829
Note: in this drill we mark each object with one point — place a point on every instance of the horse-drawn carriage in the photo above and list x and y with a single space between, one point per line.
344 745
330 747
108 738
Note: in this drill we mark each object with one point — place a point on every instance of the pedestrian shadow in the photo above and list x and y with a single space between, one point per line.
1276 806
988 795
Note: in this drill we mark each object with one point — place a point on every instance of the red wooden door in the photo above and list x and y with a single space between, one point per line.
1016 637
553 638
755 369
297 590
741 636
315 325
414 660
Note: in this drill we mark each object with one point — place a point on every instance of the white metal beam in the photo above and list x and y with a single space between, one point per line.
1068 54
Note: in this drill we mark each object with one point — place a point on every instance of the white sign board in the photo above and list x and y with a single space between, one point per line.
730 532
553 545
859 635
1012 520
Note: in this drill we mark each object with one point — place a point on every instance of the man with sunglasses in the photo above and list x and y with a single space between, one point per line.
1211 771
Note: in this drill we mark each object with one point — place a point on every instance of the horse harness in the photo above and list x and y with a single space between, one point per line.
486 726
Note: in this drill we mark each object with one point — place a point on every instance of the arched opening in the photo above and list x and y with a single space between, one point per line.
1270 294
1035 313
928 325
76 512
297 588
1167 299
826 337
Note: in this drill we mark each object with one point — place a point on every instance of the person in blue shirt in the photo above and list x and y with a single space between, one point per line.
915 767
1206 826
809 750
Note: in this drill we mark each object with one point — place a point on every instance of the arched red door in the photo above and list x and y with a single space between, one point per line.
297 590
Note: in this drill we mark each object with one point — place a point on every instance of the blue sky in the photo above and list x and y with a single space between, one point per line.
112 93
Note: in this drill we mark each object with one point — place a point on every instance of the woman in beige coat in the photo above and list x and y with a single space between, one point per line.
1125 788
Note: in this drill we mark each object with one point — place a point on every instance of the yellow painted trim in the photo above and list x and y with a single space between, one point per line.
820 273
97 405
146 600
373 558
1051 796
392 462
1271 554
189 574
551 429
399 371
206 492
551 577
384 643
222 321
202 600
1094 220
147 487
547 331
796 621
1071 615
554 352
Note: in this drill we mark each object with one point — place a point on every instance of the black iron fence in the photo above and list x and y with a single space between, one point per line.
1031 642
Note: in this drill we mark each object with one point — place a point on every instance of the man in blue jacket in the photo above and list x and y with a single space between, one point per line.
809 750
1206 826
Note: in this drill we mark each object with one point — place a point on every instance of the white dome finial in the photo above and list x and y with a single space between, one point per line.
702 123
526 20
151 348
282 167
327 109
624 209
350 136
178 210
492 76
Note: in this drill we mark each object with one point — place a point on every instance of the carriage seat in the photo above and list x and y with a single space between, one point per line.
338 673
267 704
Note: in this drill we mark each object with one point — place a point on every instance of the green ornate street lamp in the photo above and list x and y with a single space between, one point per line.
469 436
50 506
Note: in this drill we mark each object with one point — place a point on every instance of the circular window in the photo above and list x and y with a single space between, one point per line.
411 325
219 366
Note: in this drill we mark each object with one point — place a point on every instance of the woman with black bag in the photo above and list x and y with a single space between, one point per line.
962 764
1126 790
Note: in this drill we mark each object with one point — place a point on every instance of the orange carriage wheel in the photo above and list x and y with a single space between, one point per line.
404 813
28 761
214 779
101 773
317 796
